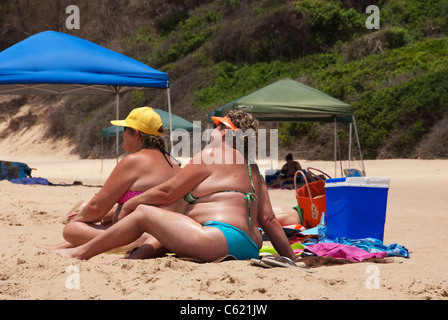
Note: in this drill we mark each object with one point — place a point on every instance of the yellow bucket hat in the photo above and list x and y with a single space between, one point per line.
143 119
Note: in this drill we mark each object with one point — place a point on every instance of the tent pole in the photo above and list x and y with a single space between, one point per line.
101 172
359 146
169 112
340 158
350 147
335 147
117 110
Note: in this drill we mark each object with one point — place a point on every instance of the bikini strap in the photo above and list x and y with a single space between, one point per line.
248 197
250 176
165 152
256 164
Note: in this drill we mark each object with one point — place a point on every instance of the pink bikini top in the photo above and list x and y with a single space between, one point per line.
128 195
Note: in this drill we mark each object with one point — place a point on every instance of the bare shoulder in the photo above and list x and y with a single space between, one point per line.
143 155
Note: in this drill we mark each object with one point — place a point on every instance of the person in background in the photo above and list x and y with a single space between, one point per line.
290 167
286 177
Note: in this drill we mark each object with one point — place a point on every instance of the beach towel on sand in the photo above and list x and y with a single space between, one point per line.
342 251
31 181
373 245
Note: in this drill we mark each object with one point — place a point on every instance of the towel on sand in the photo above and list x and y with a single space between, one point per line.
31 181
373 245
342 251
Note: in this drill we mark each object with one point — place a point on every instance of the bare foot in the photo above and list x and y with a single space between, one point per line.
62 245
67 253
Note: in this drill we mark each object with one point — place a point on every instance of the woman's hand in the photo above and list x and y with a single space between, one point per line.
129 207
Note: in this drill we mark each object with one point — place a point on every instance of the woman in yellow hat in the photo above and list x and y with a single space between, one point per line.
147 166
227 199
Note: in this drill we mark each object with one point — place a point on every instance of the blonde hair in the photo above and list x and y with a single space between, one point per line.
243 120
247 123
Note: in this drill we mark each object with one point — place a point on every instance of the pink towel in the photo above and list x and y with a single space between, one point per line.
342 251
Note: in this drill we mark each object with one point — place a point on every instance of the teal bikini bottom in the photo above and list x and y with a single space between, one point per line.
239 244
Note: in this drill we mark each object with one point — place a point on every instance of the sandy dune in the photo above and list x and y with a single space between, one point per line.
416 218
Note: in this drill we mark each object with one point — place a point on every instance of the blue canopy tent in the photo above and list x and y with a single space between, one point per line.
56 63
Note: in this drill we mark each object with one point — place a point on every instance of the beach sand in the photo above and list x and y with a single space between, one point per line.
416 218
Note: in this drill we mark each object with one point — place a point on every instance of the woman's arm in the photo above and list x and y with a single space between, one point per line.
119 181
270 225
171 190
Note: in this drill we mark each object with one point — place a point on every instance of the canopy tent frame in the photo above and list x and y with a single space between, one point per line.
112 90
288 100
55 63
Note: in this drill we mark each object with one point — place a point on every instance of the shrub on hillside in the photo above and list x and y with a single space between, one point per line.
435 144
398 117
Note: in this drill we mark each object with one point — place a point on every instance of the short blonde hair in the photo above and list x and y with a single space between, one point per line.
245 122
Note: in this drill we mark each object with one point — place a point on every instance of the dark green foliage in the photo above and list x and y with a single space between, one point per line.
215 51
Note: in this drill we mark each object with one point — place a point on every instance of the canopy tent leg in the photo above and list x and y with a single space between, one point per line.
171 123
350 146
117 110
335 147
340 158
359 145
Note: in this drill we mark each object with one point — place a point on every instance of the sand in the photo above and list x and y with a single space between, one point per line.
416 218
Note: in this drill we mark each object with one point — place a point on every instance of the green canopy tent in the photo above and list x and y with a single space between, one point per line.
288 101
168 121
177 123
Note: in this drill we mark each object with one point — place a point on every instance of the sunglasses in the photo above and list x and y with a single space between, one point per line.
130 130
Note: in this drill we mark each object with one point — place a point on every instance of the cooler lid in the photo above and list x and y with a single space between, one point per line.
369 182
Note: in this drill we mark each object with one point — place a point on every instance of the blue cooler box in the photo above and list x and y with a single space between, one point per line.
356 207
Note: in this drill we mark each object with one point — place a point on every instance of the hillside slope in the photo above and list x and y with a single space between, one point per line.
216 51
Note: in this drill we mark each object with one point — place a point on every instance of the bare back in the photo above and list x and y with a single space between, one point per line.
223 196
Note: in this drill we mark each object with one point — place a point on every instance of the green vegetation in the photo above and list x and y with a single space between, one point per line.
396 78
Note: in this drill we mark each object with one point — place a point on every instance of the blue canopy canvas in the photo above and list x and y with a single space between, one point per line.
57 63
51 62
